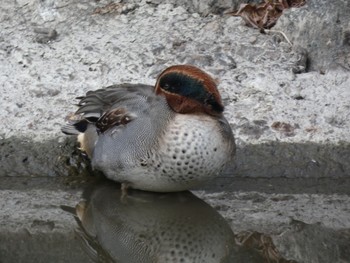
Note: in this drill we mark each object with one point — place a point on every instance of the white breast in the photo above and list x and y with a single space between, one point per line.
193 148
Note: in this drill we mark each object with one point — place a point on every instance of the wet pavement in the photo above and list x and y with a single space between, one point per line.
82 219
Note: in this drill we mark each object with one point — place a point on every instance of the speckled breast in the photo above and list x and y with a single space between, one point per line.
191 151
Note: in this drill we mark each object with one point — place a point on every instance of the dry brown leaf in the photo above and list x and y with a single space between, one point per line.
265 14
261 243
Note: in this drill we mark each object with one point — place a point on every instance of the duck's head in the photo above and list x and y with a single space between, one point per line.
189 89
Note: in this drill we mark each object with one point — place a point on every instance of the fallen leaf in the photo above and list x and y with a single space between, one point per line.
265 14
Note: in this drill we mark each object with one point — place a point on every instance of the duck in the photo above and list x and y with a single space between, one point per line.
169 137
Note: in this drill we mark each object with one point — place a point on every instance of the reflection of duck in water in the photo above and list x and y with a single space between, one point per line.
165 138
153 227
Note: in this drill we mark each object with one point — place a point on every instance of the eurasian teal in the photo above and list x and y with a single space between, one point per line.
165 138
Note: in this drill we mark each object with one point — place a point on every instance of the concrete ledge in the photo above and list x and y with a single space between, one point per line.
287 122
25 157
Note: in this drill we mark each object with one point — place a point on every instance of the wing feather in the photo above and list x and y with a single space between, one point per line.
109 107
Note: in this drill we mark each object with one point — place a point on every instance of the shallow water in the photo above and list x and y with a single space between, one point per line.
140 226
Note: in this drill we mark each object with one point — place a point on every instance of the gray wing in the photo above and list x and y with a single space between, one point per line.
110 107
121 123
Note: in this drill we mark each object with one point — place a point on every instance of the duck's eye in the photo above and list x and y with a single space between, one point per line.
168 87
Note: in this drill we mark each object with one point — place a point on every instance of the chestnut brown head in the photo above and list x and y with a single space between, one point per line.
189 89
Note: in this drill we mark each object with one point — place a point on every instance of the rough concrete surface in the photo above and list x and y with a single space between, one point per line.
288 107
323 28
282 116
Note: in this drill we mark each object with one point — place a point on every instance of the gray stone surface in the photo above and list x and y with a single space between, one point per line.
287 122
291 124
273 213
323 28
331 245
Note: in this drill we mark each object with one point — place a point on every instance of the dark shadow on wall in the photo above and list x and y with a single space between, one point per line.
268 167
292 160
